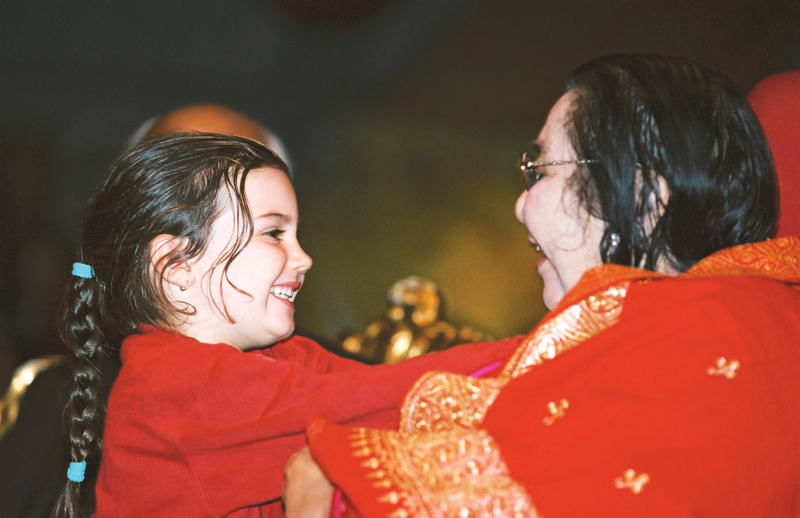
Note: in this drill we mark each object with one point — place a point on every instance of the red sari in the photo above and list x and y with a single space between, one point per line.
638 395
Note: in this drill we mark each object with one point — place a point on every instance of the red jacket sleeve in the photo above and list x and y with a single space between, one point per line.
251 411
310 355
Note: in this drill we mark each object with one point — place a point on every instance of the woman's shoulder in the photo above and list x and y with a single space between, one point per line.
757 313
737 292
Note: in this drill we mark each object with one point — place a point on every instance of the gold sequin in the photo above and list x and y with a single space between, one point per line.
556 410
630 480
391 498
724 368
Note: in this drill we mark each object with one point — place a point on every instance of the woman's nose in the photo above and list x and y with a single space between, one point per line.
520 205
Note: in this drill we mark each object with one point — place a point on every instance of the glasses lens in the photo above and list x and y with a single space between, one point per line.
529 175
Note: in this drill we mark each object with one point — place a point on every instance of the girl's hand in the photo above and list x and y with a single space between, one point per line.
306 492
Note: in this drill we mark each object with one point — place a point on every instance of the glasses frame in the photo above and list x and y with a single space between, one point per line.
528 167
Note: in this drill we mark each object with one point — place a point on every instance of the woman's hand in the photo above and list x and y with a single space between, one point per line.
306 492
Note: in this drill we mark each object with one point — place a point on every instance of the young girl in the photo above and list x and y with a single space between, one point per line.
188 266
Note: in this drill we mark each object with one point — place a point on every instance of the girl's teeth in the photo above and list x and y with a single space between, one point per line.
283 292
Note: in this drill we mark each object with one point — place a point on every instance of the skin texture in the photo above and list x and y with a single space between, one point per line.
307 493
568 236
272 258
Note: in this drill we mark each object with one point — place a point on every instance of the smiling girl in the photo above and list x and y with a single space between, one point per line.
187 270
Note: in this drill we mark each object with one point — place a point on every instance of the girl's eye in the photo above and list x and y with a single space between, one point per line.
274 233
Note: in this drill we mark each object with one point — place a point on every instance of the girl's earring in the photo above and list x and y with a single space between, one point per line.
185 287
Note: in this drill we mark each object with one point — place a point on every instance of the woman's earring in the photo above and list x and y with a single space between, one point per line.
613 243
185 287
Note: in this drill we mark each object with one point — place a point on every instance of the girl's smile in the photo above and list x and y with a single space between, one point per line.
250 303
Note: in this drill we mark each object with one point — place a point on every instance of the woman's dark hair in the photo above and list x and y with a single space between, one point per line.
686 123
166 185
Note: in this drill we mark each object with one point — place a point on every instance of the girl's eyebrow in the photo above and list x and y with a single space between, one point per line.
275 215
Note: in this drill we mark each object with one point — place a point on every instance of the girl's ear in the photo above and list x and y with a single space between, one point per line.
162 247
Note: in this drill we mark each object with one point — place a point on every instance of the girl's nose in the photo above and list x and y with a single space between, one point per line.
302 261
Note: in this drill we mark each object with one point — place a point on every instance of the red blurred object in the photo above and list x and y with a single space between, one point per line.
776 101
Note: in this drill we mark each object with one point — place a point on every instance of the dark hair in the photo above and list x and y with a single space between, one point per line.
166 185
686 123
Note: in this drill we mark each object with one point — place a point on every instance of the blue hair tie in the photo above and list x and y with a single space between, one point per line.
76 471
82 270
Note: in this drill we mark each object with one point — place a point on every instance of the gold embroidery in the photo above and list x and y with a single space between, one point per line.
632 481
567 329
556 410
441 401
776 258
723 368
454 473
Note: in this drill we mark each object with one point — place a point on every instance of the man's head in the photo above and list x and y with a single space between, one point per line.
209 118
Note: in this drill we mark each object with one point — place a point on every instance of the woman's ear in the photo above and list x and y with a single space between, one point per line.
162 248
656 201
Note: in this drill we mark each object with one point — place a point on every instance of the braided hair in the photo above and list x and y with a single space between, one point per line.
165 185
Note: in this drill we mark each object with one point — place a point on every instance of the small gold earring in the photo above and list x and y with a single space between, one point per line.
186 287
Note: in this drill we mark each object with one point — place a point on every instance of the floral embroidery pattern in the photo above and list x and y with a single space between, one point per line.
630 480
777 258
569 328
443 401
450 474
724 368
556 410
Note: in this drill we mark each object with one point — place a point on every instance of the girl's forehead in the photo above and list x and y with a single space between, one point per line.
270 190
267 190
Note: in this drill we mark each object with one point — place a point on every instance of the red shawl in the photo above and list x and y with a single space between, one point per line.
638 395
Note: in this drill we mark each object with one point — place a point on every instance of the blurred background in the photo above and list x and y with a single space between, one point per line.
403 120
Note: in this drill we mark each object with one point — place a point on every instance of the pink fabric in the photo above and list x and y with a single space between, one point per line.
776 101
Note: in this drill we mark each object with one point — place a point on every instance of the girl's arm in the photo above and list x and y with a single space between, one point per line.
250 415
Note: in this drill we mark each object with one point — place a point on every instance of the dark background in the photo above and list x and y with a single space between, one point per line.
404 119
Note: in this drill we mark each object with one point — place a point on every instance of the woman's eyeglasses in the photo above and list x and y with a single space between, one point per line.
528 166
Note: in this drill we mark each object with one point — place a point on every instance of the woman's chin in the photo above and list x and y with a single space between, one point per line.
552 291
550 300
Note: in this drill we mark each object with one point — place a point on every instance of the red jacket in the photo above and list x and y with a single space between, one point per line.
197 429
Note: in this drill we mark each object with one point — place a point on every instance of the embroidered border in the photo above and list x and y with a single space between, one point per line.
776 258
458 473
569 328
442 401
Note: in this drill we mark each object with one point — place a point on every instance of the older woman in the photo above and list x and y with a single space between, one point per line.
664 380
